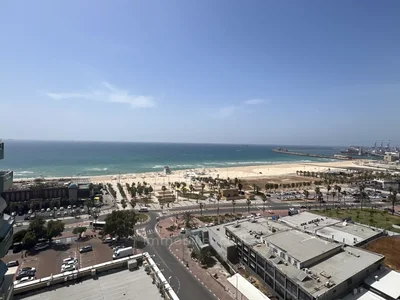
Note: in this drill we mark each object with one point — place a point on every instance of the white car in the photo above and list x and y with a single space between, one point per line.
30 212
13 214
62 208
25 279
69 206
69 259
48 209
18 224
67 268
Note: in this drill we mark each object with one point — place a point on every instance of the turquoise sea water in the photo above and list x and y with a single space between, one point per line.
44 158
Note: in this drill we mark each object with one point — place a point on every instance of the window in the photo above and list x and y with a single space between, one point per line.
303 296
261 261
283 255
291 287
290 297
260 272
239 243
270 269
253 266
245 258
213 239
245 249
289 259
279 290
279 277
228 233
269 280
239 253
252 254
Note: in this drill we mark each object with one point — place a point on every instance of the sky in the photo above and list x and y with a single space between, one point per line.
226 71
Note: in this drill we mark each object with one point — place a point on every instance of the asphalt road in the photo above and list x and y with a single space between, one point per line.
183 283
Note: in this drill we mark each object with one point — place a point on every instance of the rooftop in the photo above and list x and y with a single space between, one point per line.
246 288
339 268
301 246
329 228
387 281
248 230
307 220
116 285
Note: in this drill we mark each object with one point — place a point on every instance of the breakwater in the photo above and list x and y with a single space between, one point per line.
336 156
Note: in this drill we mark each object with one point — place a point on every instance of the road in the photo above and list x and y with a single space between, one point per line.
183 283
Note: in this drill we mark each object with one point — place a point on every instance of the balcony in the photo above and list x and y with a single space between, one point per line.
1 149
6 180
6 233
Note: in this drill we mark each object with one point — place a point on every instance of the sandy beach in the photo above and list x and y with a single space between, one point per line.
244 172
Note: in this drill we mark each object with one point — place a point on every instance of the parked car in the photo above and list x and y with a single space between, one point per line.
30 212
41 246
26 272
25 279
48 209
13 263
86 248
108 240
69 207
67 268
17 247
26 218
42 210
13 214
61 208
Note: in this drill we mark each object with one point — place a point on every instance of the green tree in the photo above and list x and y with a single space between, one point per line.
264 199
123 203
150 190
248 202
89 203
233 206
133 191
201 206
205 255
19 236
218 199
79 230
29 240
240 186
393 199
163 188
328 189
133 203
54 228
36 226
120 224
188 218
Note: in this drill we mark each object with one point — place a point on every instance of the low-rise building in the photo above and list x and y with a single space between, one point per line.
229 194
294 263
332 229
165 196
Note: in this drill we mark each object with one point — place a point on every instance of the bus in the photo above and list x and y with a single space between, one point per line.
97 224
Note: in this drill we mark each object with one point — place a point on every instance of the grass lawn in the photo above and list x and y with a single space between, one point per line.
373 217
142 217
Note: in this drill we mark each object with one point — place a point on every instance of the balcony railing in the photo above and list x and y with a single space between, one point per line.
6 180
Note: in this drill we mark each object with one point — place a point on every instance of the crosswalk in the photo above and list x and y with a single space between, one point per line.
143 232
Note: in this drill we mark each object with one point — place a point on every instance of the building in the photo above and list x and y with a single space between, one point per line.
332 229
6 233
293 263
390 157
165 196
135 277
387 185
21 195
199 240
230 194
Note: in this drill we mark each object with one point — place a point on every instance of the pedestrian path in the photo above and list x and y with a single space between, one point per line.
143 232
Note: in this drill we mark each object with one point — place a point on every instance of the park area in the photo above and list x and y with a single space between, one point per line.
371 217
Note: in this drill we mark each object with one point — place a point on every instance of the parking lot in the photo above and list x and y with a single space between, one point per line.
49 261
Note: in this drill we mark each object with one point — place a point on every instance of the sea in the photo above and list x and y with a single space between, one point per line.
31 159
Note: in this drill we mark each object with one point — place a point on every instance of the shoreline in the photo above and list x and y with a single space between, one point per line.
241 172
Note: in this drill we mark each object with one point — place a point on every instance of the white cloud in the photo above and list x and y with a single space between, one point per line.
225 112
253 101
108 93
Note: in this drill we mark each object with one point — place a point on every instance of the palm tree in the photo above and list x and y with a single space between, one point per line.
361 188
264 199
393 199
344 194
248 202
202 188
218 199
163 188
201 205
236 181
188 217
328 189
306 194
233 206
240 186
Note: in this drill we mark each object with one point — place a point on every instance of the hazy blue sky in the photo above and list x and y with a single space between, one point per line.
275 72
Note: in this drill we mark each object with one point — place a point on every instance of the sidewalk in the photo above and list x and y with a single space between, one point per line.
218 287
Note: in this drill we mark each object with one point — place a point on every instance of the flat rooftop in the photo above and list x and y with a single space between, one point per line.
247 230
117 285
307 220
329 228
387 281
348 233
339 268
300 245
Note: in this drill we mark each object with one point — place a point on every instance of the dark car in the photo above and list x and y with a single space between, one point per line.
17 247
86 248
26 217
26 272
13 263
